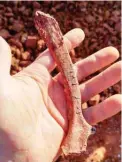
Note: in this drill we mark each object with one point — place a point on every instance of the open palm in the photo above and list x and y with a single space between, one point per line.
33 110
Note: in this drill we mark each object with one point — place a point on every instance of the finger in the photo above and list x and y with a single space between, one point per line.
104 110
72 39
94 62
100 82
5 58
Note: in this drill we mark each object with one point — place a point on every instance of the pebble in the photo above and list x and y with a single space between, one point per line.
117 88
90 19
24 37
17 26
15 42
118 26
40 44
31 42
24 63
94 100
84 105
5 34
36 5
26 55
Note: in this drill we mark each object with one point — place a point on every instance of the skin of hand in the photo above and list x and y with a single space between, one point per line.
33 110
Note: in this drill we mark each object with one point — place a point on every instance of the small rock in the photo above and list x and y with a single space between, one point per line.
60 6
118 27
27 12
94 100
9 14
24 37
8 9
116 13
22 9
40 44
13 50
83 9
5 34
76 24
31 42
18 53
15 63
18 36
84 105
117 88
11 20
15 42
19 68
87 32
90 19
36 5
107 14
24 63
106 26
13 72
17 26
26 55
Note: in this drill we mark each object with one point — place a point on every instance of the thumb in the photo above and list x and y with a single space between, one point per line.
5 59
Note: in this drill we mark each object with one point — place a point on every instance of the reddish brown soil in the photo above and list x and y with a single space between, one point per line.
101 24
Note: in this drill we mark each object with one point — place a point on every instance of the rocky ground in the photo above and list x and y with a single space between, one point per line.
101 24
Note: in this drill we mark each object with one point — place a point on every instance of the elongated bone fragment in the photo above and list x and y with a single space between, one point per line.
79 130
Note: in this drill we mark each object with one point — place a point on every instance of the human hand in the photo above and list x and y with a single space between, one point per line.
33 110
